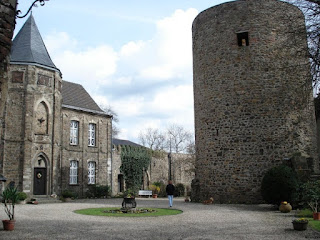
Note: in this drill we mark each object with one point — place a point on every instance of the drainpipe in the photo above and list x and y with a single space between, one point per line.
52 137
111 177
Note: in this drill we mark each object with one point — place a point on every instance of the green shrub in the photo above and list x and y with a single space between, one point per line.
162 192
279 184
68 194
179 190
158 184
22 196
310 195
98 191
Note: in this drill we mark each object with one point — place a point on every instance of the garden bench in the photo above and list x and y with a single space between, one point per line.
145 193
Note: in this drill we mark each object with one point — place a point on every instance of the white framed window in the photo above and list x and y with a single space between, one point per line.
91 172
92 135
73 172
74 132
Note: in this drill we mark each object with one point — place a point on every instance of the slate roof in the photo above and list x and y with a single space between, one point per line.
74 96
29 48
117 142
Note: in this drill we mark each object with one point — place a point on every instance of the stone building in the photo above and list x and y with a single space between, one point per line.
252 97
182 168
7 25
55 136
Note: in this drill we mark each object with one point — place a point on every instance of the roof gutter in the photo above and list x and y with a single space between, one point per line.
86 110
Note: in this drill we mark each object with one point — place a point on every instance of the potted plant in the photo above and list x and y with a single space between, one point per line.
22 196
311 196
300 224
129 199
155 190
10 197
67 196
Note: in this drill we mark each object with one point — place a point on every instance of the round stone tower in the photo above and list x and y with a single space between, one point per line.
252 96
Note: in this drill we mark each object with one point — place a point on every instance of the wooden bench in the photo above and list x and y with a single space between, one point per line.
145 193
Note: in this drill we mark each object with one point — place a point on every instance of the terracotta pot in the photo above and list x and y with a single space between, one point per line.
154 195
316 216
285 208
8 225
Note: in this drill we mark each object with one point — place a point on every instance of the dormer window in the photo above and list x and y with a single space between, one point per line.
243 39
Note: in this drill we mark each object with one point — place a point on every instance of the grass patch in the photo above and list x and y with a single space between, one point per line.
315 224
304 213
107 212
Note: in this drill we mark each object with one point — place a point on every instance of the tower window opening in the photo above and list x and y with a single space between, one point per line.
243 39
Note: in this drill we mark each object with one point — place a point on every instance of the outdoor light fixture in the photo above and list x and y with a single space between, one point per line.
42 2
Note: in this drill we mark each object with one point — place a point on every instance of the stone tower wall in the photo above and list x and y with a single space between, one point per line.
7 25
253 97
32 126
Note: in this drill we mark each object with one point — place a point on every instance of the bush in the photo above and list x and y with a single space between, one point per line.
158 184
179 190
155 189
279 184
22 196
162 192
67 194
98 191
310 194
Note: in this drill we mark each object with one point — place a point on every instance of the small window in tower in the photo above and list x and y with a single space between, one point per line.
243 39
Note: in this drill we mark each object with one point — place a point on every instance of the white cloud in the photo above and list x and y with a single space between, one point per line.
173 45
131 48
57 41
84 66
119 78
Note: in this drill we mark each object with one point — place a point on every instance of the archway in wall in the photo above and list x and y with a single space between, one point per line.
40 178
120 183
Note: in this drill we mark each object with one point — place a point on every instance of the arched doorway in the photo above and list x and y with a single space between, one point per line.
40 176
120 183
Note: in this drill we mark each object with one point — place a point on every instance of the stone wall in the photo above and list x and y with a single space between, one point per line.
182 170
7 25
252 96
82 153
30 106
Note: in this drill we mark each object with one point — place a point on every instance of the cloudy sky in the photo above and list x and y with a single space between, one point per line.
134 55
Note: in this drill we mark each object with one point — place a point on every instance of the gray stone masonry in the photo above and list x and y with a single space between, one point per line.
252 96
82 153
7 25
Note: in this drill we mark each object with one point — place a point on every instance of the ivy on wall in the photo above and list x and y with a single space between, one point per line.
134 160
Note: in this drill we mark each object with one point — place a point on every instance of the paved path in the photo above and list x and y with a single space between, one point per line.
198 221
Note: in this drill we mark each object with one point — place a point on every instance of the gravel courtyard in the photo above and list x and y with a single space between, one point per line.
198 221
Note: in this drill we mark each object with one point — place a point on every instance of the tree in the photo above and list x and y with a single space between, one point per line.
152 138
174 139
178 139
311 10
115 119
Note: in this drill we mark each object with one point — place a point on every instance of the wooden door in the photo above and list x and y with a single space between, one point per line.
40 181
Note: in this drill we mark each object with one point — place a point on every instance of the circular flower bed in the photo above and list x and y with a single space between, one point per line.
125 212
130 210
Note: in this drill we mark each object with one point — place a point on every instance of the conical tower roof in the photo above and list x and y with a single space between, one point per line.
28 47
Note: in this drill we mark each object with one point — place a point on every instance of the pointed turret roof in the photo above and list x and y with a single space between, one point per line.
28 47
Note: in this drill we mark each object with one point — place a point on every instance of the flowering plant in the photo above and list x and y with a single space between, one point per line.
300 220
155 189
